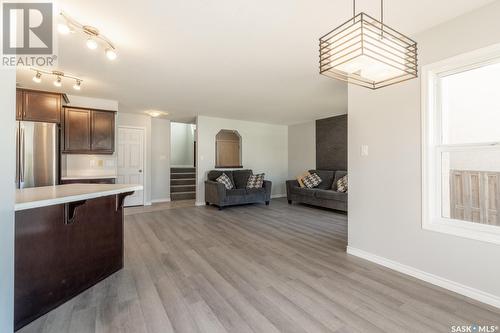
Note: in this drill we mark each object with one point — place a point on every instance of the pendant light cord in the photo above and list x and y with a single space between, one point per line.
382 11
382 18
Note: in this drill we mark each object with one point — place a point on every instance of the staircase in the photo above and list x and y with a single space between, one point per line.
182 184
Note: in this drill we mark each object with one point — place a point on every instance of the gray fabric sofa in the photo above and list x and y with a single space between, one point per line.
323 195
217 194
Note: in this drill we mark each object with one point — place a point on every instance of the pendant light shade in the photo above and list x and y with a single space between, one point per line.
366 52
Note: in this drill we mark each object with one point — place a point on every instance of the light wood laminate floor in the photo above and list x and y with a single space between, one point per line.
255 269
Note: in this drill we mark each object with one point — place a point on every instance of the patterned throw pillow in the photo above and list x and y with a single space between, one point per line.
342 184
224 179
255 181
312 180
300 178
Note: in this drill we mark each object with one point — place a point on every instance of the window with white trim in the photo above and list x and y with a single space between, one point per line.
461 145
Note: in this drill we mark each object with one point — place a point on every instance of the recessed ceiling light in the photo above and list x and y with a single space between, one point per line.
156 113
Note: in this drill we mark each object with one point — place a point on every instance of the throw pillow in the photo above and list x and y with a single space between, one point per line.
312 180
224 179
342 184
255 181
300 178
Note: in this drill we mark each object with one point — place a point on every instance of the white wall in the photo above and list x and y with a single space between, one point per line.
160 160
385 187
182 145
7 177
301 148
139 120
93 103
264 149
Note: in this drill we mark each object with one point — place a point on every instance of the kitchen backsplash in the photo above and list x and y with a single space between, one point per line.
88 165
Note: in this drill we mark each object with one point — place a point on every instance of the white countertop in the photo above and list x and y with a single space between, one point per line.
54 195
88 177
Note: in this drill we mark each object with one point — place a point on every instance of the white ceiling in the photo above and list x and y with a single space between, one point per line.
251 60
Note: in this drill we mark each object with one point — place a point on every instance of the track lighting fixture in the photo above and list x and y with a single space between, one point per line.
58 77
94 37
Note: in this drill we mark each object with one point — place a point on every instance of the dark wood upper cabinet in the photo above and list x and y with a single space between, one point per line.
103 131
41 106
19 104
77 130
88 131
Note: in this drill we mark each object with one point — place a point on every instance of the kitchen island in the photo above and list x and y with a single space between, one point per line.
67 239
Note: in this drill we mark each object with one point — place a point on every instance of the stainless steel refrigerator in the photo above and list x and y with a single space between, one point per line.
37 157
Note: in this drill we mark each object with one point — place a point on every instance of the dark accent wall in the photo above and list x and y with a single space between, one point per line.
331 143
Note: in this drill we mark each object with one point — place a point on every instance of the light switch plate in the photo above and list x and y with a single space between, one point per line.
364 150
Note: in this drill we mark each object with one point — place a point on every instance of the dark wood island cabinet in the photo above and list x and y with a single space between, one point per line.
63 249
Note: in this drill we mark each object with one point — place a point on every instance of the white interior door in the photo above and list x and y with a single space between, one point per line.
131 161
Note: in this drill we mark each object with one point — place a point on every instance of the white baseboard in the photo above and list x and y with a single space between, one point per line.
160 200
199 203
470 292
148 203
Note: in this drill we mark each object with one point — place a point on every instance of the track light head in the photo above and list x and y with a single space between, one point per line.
111 54
78 85
58 82
91 43
38 77
63 28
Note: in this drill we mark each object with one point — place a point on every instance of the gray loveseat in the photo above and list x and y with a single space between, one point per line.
217 194
323 195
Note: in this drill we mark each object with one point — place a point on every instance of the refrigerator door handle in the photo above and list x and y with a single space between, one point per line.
17 155
21 157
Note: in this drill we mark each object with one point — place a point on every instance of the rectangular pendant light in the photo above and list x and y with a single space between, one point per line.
366 52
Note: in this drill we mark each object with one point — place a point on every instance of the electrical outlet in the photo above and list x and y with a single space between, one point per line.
364 150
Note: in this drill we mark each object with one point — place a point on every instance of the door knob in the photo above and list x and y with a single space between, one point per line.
140 170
